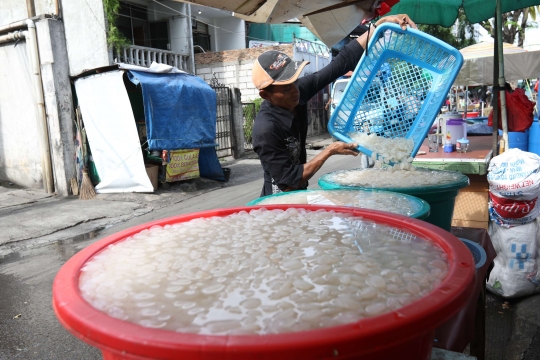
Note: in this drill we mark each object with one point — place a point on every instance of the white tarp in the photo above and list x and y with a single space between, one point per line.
478 65
112 134
154 68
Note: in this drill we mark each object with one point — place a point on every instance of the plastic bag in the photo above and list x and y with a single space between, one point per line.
519 111
510 212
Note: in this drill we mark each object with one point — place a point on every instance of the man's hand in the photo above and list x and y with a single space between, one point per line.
402 20
341 148
336 148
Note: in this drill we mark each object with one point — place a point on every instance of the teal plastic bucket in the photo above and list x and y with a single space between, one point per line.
389 201
441 198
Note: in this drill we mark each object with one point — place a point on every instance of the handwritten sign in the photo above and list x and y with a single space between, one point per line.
184 164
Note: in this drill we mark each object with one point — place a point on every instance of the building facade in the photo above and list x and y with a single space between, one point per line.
232 68
43 43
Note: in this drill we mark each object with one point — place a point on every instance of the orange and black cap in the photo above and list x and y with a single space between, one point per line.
275 68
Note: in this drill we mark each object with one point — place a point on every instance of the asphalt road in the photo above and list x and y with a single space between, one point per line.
28 327
30 330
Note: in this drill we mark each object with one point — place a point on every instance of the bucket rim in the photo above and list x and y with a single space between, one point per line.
128 339
480 249
422 213
462 182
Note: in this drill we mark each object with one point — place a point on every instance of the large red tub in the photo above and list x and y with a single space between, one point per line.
406 333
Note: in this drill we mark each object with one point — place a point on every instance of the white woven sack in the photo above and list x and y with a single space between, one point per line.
515 271
515 174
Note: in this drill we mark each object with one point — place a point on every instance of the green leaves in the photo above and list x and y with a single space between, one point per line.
250 119
459 36
115 38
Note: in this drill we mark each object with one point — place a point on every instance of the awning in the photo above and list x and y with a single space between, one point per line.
329 20
478 64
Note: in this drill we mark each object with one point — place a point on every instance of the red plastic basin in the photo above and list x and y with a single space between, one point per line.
472 114
406 333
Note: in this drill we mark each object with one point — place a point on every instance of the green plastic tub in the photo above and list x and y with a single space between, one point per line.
393 202
441 197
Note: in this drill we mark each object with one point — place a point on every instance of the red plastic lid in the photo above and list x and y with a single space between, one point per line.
129 340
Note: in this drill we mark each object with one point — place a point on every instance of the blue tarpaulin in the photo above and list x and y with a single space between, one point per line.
180 113
179 110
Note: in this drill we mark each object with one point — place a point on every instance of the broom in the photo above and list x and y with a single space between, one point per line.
87 188
86 191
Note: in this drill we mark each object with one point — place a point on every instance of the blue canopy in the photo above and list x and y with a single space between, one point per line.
179 110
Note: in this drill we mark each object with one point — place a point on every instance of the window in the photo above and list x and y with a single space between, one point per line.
133 23
200 35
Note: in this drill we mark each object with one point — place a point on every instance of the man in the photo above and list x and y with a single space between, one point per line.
280 128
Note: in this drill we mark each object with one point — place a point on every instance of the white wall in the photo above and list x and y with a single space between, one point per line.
15 10
20 155
85 28
43 6
86 39
230 34
234 74
12 10
226 33
20 160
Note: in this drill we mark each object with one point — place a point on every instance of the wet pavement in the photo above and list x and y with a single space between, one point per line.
28 327
30 330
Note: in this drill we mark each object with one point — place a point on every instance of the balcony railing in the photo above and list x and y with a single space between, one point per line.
310 47
143 56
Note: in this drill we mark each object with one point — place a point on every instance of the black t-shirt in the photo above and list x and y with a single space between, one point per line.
279 136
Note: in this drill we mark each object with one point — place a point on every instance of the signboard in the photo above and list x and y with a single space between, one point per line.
183 165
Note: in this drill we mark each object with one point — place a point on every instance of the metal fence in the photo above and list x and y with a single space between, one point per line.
223 120
249 113
317 114
319 56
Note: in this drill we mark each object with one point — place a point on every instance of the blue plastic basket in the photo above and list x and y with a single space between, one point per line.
398 88
478 253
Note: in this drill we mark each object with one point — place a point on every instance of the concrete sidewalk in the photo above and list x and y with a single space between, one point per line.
31 218
42 218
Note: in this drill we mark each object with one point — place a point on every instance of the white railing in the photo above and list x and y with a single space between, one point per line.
144 56
310 47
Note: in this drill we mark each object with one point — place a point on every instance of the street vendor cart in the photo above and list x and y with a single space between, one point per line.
471 208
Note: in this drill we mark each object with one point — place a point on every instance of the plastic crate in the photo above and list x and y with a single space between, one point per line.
397 88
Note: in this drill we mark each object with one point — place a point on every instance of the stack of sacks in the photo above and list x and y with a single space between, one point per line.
514 187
